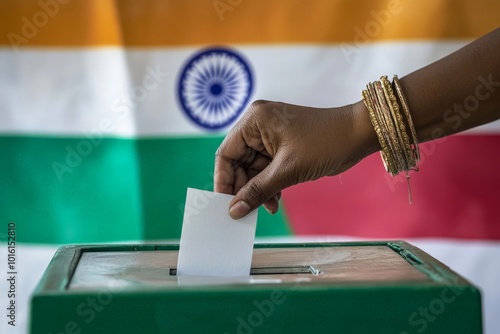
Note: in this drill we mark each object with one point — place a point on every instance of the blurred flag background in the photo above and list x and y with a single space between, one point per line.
109 110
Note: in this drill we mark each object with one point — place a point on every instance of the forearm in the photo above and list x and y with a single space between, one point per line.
454 94
258 159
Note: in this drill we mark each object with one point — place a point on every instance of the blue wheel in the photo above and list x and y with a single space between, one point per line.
214 87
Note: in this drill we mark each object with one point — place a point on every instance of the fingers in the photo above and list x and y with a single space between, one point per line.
232 149
240 156
231 174
263 188
243 163
245 171
223 175
272 204
233 171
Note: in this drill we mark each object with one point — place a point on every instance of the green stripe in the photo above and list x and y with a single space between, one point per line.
70 190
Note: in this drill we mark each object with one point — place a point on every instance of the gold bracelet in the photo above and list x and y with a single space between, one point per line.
387 157
385 154
407 155
389 126
388 116
409 120
380 121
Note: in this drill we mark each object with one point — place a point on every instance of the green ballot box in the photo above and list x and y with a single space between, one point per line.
350 287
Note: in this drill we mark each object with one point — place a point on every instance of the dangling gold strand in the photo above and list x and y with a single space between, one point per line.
409 187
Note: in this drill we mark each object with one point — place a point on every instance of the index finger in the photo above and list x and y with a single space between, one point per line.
232 149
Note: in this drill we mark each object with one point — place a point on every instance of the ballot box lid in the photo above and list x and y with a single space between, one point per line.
143 268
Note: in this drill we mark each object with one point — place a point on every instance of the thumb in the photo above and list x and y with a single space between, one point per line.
258 190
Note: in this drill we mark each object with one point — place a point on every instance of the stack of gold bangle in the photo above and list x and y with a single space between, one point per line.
399 149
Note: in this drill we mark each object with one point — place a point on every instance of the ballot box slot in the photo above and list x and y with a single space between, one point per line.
274 270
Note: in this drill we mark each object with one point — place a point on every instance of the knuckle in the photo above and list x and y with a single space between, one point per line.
217 152
259 106
225 146
258 103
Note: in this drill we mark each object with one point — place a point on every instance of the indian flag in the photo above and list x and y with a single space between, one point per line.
109 110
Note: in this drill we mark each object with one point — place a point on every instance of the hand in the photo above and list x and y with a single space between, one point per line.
276 145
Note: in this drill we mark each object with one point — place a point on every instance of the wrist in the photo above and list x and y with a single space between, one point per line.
364 135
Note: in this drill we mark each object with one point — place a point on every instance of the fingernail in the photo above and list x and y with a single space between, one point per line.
270 212
239 210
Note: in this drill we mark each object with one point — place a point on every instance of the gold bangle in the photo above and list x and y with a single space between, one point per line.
389 126
389 117
376 108
407 154
385 154
406 109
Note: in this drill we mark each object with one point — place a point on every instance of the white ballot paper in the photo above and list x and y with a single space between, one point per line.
212 243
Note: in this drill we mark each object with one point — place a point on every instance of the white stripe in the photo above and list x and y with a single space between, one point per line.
72 91
61 92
